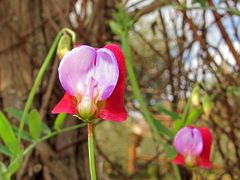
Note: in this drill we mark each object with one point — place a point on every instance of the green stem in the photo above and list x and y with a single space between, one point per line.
186 111
137 93
37 83
136 90
176 171
91 152
194 175
133 81
40 76
11 168
44 138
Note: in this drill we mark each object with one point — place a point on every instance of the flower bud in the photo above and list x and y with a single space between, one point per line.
207 105
64 45
195 98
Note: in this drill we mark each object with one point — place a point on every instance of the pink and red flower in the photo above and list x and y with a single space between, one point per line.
94 83
193 146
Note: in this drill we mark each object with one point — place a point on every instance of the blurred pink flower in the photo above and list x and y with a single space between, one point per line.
193 146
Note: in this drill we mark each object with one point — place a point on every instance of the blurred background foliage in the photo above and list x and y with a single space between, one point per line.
175 46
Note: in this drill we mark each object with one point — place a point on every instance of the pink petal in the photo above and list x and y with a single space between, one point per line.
204 158
66 105
188 141
106 72
74 68
114 109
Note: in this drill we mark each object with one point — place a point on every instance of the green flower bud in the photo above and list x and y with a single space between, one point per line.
64 45
207 105
195 98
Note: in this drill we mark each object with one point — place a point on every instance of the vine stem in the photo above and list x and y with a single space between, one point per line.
194 175
39 77
137 93
11 168
44 138
37 83
91 151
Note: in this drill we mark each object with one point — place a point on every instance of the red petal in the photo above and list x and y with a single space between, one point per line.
179 159
66 105
114 109
204 158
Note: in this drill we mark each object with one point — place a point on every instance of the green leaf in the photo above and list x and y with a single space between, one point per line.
35 124
7 135
163 129
14 165
15 113
233 90
193 115
234 11
3 168
25 135
170 151
122 19
4 150
177 125
45 129
186 109
201 2
172 114
18 114
115 27
59 120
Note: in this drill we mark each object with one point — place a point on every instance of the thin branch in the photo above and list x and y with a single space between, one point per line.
224 34
148 8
